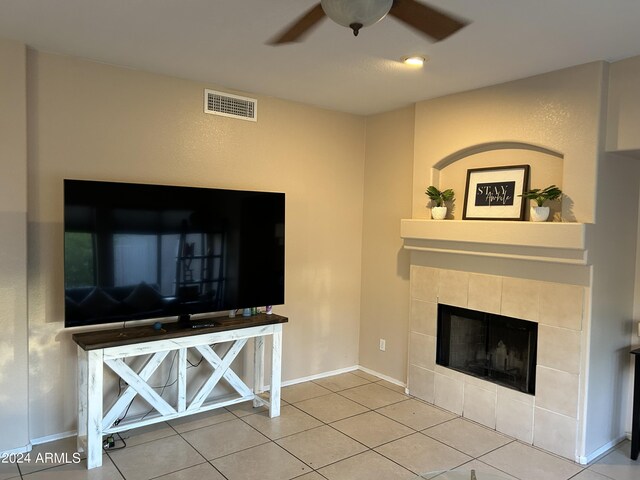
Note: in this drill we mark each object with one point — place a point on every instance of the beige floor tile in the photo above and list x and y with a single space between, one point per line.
372 429
303 391
291 420
311 476
8 470
590 475
202 471
224 438
415 414
156 458
618 465
199 420
528 463
366 466
78 471
392 386
343 381
264 462
321 446
365 375
331 408
146 434
51 454
482 469
246 408
468 437
373 395
422 454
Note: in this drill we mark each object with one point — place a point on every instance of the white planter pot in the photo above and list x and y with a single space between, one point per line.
438 213
539 214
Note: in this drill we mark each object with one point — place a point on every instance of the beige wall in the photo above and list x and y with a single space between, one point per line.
385 265
623 118
624 107
635 331
13 248
612 300
622 136
92 121
558 111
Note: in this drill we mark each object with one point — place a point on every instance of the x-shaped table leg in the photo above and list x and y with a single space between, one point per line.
221 370
137 385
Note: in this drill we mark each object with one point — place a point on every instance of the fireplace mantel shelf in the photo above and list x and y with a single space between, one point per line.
555 242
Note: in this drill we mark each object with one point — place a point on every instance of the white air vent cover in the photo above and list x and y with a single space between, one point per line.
228 105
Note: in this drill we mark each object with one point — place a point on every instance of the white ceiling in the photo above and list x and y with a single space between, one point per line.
222 43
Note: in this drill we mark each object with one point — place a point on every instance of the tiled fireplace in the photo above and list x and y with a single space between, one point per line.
549 418
495 348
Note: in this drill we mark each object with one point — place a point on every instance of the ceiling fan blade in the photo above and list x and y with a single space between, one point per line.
298 29
434 23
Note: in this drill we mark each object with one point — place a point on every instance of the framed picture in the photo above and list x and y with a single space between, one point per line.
492 193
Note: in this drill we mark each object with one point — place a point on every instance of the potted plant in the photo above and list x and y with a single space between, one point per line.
540 213
439 212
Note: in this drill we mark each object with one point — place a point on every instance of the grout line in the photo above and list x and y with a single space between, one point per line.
296 457
367 406
176 471
393 461
495 468
377 446
214 467
115 466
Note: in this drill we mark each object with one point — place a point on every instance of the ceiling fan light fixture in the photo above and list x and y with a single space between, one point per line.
414 60
356 14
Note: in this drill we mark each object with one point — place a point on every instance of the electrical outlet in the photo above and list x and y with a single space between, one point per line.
383 344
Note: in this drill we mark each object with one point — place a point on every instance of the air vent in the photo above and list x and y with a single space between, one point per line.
228 105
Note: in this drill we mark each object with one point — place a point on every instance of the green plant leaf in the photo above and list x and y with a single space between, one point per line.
439 197
552 192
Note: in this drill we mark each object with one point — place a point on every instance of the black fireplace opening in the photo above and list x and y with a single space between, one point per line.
493 347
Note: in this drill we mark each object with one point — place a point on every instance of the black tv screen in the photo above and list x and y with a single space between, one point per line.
137 251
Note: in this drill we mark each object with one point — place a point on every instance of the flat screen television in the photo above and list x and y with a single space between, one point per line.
138 251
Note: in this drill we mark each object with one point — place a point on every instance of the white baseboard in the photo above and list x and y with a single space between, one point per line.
331 373
318 376
584 460
53 438
382 376
5 453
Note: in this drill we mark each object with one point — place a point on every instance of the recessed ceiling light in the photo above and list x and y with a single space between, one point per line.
414 60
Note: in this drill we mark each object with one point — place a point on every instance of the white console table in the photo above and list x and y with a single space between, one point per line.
110 348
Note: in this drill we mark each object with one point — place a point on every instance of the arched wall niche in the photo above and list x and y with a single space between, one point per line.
546 168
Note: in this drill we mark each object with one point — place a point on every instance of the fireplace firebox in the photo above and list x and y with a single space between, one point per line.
493 347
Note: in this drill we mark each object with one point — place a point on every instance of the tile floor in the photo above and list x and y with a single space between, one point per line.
352 426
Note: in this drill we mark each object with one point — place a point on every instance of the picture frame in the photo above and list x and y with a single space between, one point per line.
492 193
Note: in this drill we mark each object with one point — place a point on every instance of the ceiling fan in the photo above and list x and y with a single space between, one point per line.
357 14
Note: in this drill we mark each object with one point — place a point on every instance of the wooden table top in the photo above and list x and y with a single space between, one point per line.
147 333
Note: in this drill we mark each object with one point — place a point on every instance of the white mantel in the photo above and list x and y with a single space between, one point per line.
555 242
